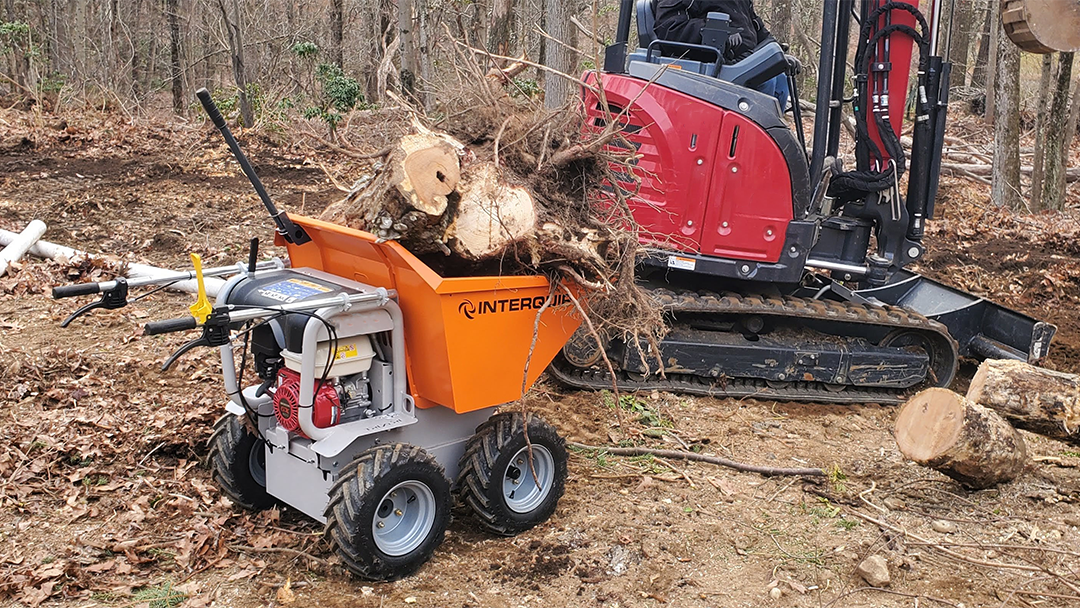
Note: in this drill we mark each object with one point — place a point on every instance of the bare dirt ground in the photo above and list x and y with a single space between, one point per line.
105 501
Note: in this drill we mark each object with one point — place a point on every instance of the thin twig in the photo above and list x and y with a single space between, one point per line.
286 550
724 462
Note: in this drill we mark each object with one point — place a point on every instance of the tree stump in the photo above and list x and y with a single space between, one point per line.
944 431
1031 398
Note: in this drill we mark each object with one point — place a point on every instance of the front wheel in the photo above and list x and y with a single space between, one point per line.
388 512
238 464
511 482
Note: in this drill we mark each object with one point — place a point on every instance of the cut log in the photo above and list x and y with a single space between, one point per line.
946 432
1031 398
426 198
1042 26
491 214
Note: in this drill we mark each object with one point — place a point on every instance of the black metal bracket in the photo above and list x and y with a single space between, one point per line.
110 300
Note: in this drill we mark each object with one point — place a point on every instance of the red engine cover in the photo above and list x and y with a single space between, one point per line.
712 182
327 409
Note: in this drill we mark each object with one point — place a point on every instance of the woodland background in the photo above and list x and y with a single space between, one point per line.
274 62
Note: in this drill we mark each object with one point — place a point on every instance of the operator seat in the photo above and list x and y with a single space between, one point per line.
765 63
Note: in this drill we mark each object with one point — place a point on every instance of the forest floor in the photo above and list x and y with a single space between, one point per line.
106 502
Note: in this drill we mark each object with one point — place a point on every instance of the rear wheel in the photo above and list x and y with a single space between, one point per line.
511 483
238 464
388 512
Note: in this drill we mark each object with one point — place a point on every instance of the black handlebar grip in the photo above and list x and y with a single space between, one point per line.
155 328
211 108
70 291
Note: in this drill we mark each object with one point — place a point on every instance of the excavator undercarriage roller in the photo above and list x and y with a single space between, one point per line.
800 349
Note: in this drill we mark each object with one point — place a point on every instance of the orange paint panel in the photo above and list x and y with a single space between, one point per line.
467 340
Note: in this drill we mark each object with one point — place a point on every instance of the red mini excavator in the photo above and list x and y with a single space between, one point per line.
783 273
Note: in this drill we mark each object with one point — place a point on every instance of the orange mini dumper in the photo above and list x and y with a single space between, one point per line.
377 386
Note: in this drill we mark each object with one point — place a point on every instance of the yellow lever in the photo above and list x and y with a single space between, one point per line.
202 308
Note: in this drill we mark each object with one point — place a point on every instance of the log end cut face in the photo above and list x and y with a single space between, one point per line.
431 172
929 424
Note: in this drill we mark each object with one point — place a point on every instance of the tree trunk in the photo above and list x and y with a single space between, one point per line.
557 89
137 52
1005 186
502 19
1040 132
236 47
408 49
337 30
1074 114
946 432
1031 398
780 25
982 59
993 71
961 51
1057 146
172 7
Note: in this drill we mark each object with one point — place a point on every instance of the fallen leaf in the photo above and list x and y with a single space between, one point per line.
285 593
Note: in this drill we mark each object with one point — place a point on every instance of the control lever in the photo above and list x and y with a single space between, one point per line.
111 299
215 333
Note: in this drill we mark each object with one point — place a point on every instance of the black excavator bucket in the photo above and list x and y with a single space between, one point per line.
983 329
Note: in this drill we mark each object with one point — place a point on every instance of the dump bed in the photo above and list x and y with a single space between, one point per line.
467 340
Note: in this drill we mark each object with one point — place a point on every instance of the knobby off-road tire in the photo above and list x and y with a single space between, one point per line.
238 464
496 479
388 512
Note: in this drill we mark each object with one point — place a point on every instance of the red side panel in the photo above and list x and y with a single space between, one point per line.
690 181
752 180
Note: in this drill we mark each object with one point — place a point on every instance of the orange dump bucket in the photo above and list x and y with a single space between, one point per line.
466 339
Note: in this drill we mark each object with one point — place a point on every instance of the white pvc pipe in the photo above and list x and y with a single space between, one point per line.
20 244
52 251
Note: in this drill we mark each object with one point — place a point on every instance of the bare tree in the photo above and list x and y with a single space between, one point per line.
172 8
502 18
337 31
1057 128
236 49
408 48
1040 132
962 27
1005 186
558 56
998 41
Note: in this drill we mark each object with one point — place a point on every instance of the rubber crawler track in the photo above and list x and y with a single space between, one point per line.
684 301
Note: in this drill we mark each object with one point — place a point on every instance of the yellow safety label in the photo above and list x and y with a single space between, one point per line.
346 352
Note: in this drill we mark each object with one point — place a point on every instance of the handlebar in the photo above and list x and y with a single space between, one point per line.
155 328
70 291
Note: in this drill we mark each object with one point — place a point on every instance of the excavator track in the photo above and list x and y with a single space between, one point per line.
894 319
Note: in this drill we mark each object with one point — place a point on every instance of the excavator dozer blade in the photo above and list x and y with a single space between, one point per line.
982 329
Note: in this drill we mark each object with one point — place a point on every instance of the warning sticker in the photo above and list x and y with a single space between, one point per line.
679 263
346 352
293 290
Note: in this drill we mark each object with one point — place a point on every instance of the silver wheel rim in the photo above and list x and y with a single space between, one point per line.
257 463
404 518
520 489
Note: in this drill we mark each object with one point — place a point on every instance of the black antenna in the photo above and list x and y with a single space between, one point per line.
290 231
